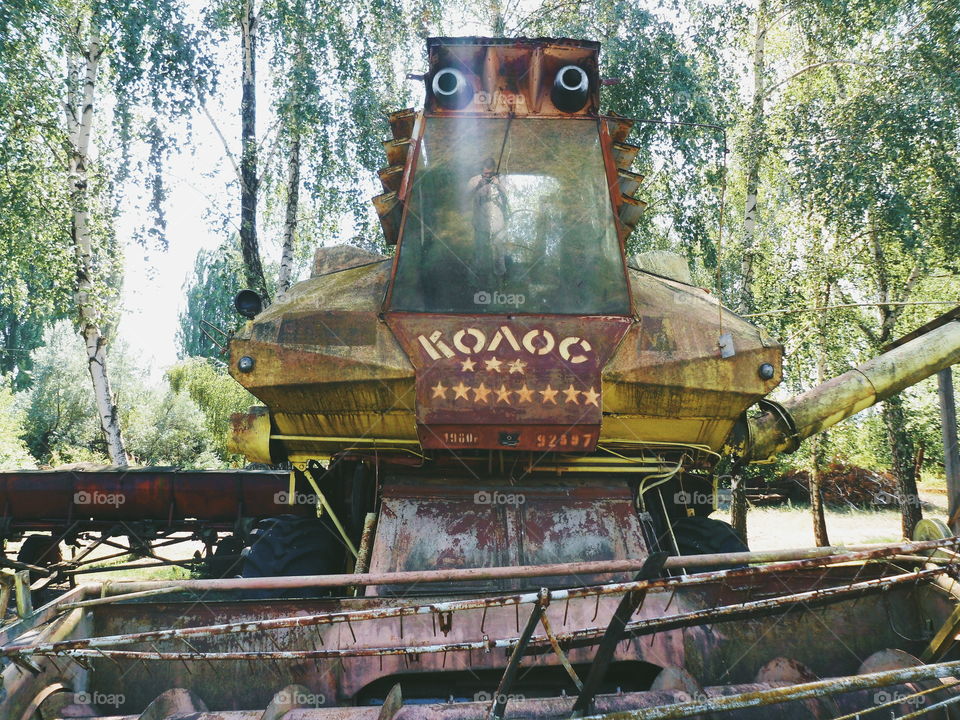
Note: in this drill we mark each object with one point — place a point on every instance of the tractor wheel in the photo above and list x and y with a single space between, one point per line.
39 550
225 560
706 536
290 545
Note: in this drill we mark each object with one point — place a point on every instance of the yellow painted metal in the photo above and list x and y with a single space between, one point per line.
847 394
333 374
250 435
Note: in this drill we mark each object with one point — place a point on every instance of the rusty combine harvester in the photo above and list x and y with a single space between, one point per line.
502 444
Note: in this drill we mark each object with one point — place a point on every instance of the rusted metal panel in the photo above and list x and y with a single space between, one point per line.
166 496
477 526
512 76
390 211
397 151
250 434
401 123
390 178
507 374
630 210
667 378
629 182
624 154
619 127
730 653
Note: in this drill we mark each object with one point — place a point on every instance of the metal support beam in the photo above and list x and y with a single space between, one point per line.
499 705
951 452
629 603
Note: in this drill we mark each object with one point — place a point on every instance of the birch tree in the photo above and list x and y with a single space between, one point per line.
881 164
117 61
79 110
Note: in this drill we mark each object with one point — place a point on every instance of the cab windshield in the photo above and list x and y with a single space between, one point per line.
510 216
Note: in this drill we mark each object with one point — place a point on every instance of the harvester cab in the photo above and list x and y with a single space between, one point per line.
507 345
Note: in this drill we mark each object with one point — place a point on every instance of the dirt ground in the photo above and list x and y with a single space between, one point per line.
783 526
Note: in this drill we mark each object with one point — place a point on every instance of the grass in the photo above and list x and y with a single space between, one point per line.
786 526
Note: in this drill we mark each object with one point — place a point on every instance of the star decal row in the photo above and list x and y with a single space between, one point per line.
494 365
483 394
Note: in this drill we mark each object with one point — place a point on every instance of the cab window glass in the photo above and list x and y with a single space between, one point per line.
510 216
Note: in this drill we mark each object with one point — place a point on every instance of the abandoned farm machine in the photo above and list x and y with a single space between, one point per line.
499 448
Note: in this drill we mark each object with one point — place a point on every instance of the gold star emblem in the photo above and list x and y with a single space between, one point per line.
549 395
480 393
517 366
503 395
460 391
525 394
439 391
590 397
468 365
571 394
494 364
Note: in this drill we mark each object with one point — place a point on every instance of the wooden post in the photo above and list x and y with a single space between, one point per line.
951 453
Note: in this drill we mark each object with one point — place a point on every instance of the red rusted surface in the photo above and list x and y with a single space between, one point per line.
167 497
524 382
736 653
426 526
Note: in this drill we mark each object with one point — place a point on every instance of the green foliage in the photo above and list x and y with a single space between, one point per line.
13 451
163 425
675 80
217 277
216 393
167 428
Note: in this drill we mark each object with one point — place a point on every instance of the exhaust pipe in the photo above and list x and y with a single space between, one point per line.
783 426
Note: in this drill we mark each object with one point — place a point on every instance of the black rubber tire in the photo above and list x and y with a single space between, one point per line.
288 545
39 550
225 560
707 536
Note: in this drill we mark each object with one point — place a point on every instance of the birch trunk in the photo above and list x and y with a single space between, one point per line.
290 221
754 156
249 182
79 124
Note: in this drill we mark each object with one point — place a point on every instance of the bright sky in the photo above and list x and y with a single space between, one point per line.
153 293
197 179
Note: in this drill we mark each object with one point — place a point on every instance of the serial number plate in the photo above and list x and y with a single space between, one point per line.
563 441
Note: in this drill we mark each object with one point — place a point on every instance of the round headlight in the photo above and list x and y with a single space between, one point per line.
245 364
571 89
767 371
451 89
248 303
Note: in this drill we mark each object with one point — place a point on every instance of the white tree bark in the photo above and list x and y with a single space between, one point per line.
754 155
290 221
79 111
